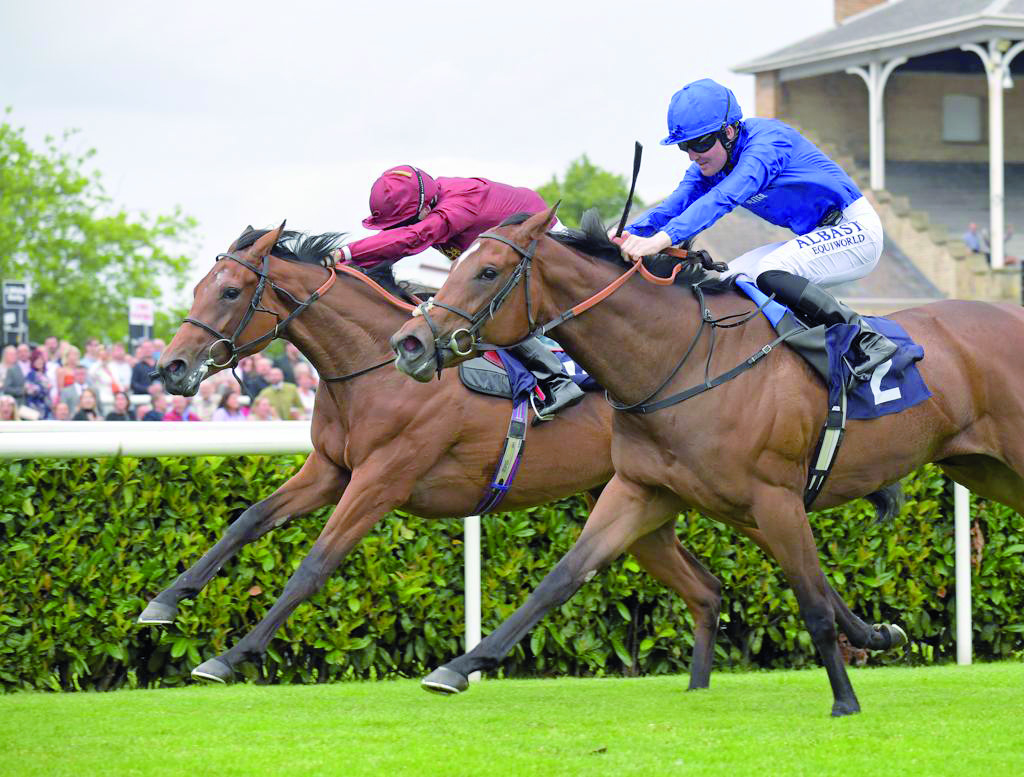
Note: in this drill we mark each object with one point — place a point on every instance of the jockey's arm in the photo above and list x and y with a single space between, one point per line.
392 244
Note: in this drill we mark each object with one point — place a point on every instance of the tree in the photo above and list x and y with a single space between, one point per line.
588 186
83 257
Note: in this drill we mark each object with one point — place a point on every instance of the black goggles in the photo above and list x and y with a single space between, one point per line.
701 144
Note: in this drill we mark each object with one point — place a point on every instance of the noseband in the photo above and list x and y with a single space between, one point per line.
254 307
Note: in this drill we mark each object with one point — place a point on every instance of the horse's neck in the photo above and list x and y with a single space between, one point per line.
346 330
631 341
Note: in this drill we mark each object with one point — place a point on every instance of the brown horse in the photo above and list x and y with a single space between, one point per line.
381 442
740 452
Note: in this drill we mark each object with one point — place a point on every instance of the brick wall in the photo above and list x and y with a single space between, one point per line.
834 108
767 94
847 8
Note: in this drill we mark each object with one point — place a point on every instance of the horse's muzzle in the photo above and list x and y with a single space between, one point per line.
415 358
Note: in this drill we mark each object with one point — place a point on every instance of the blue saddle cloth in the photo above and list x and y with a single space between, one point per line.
522 381
895 385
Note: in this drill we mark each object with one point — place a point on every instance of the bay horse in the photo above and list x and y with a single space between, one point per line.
380 441
739 453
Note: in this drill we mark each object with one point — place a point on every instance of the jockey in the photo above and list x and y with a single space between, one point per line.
415 212
772 170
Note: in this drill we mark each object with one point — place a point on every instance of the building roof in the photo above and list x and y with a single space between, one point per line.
900 28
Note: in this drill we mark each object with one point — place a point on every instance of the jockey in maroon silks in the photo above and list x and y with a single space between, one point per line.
415 212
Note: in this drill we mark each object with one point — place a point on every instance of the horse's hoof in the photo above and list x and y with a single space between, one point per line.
897 636
843 708
445 681
214 670
158 612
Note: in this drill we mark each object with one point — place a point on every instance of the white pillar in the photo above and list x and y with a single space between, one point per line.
996 59
962 554
875 77
471 543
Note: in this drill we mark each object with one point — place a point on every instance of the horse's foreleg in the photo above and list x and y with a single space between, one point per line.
625 512
782 520
317 483
364 503
666 560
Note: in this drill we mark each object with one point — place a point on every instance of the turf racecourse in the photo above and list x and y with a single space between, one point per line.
936 721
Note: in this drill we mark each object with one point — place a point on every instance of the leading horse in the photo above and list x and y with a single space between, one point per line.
381 442
739 453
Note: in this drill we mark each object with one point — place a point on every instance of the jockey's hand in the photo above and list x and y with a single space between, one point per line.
634 247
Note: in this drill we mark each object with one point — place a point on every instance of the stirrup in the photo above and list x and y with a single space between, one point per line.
536 411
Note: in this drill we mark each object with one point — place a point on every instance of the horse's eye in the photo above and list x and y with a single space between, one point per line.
230 293
488 274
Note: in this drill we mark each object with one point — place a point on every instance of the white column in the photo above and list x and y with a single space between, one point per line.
962 554
471 543
875 77
996 59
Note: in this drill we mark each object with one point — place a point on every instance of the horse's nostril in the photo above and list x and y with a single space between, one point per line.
175 367
411 345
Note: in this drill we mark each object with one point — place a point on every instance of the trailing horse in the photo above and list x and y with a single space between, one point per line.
740 452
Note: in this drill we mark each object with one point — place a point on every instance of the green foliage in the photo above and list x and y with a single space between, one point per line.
587 186
86 543
83 257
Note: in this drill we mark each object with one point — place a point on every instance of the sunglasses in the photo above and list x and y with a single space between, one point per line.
701 144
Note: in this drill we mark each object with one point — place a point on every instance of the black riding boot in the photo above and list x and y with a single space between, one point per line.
539 359
817 306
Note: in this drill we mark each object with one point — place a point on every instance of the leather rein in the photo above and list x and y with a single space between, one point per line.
255 306
522 273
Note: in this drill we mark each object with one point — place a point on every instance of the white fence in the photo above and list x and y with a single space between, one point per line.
75 439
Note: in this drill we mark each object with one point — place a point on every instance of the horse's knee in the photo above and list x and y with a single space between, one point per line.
821 624
251 524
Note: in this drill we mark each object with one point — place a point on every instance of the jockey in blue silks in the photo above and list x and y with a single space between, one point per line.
772 170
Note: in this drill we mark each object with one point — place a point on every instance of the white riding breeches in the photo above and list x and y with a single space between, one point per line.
827 256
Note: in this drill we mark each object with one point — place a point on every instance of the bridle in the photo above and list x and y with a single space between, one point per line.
255 307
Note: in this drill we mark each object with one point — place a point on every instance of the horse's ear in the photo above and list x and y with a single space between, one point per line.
535 226
234 246
266 244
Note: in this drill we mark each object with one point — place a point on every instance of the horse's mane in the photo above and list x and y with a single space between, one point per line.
592 239
295 246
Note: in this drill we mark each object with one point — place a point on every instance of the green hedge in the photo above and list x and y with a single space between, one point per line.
86 543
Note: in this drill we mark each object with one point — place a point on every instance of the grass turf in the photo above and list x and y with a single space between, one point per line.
936 721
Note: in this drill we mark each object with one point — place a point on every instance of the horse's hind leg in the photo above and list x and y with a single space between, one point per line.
662 555
625 512
987 477
317 483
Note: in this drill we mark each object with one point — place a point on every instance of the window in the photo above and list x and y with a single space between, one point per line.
961 118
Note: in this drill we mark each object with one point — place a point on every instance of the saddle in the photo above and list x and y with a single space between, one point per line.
489 374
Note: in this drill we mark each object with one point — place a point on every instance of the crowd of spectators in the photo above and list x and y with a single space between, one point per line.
58 381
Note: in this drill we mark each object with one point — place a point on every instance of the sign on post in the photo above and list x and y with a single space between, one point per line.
15 312
140 320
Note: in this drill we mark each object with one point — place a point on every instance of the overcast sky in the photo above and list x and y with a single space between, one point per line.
252 112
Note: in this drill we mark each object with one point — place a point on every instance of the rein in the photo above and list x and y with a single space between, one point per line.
481 317
234 350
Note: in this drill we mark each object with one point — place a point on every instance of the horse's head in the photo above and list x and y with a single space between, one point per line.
490 294
226 316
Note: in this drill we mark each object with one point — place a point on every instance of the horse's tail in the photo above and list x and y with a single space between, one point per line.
888 502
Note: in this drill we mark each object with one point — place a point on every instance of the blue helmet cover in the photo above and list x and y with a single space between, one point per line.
699 108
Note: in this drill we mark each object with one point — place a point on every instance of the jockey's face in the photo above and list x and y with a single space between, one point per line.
714 159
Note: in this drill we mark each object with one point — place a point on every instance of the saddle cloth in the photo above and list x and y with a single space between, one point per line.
501 374
895 384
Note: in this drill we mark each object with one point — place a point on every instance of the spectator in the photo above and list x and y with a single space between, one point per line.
73 393
262 410
180 411
158 407
206 402
122 408
37 385
972 239
13 378
91 356
258 379
69 362
288 363
142 411
121 366
986 245
307 393
231 409
61 412
24 357
51 349
144 365
8 408
158 348
102 377
88 407
284 397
